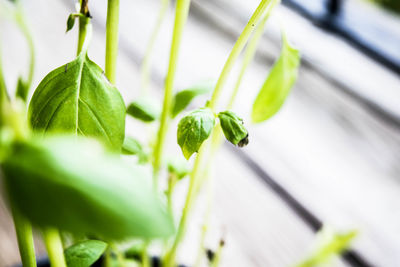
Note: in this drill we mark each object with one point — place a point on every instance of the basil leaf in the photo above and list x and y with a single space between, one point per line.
194 129
74 185
183 98
85 253
70 22
328 245
77 98
22 89
233 128
143 110
278 84
178 167
132 146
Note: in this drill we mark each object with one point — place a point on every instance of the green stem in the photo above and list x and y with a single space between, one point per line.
25 239
145 71
190 197
145 256
237 49
250 52
181 13
112 39
83 21
28 36
54 247
217 257
196 175
170 191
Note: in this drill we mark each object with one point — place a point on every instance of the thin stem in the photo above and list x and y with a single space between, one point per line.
250 51
112 39
145 256
190 197
145 71
54 247
181 13
217 257
237 49
201 155
28 36
25 239
82 24
172 179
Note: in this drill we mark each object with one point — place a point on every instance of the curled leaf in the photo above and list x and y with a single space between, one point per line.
144 110
194 129
22 89
70 22
278 84
233 128
85 253
74 185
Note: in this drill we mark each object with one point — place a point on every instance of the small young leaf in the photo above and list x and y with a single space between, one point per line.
233 128
328 245
184 97
85 253
194 129
22 89
74 185
278 84
70 22
143 110
179 167
77 98
132 146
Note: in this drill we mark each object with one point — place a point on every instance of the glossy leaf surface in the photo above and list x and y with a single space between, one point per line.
278 84
194 129
72 184
85 253
184 98
233 128
77 98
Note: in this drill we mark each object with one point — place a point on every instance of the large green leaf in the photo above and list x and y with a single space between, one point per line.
77 98
194 129
72 184
278 84
183 98
233 128
85 253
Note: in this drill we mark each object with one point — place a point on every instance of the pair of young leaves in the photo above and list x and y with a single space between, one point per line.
197 126
146 110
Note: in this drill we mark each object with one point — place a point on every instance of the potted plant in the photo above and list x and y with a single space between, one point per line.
61 152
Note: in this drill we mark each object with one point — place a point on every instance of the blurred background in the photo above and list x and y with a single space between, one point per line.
330 157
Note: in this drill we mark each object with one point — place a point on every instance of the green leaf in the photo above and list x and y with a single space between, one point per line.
70 22
194 129
73 184
328 245
144 110
85 253
77 98
233 128
179 167
278 84
183 98
22 89
132 146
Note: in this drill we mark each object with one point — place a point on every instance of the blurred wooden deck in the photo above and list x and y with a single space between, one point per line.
330 147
